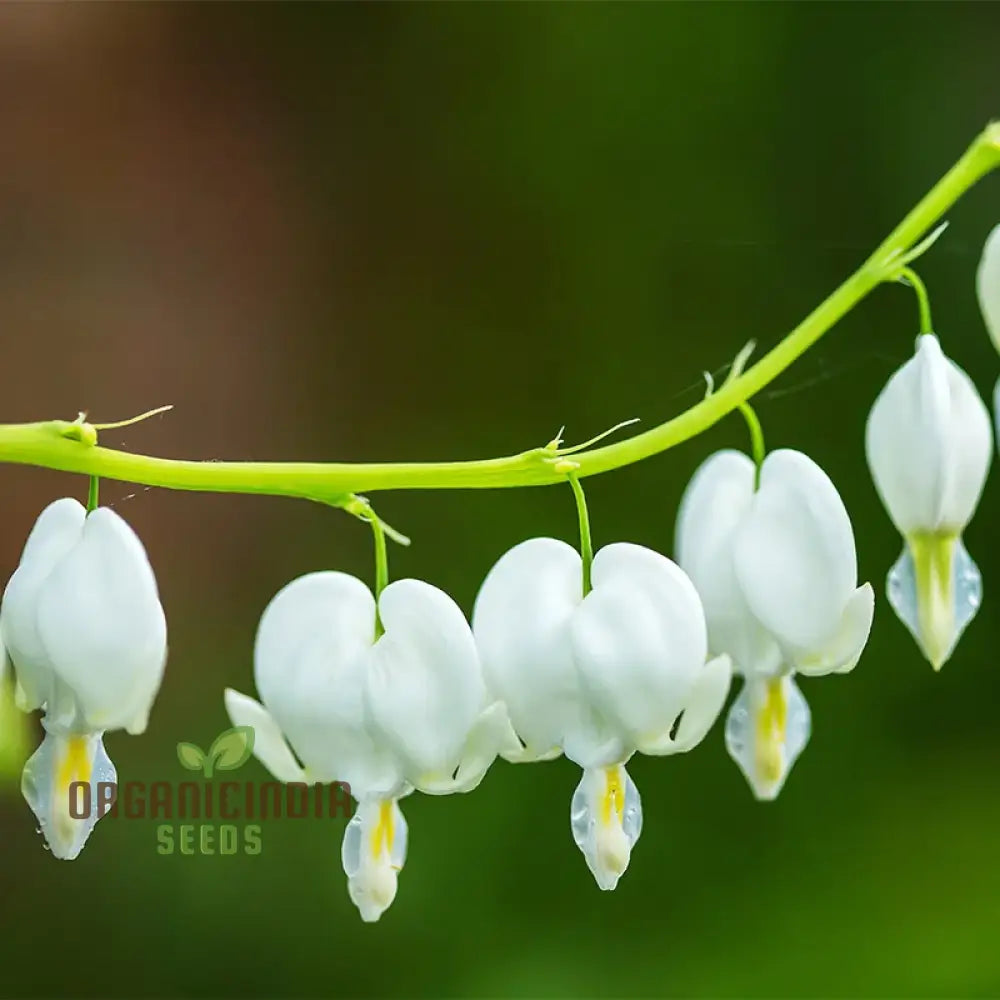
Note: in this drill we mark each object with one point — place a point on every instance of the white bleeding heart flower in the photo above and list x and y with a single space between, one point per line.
82 623
929 445
598 677
776 568
384 714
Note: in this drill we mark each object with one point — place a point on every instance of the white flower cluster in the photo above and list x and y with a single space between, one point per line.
595 660
432 702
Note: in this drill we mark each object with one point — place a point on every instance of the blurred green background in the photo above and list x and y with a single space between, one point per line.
431 231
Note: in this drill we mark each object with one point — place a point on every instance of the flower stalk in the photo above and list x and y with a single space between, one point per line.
586 545
758 450
911 278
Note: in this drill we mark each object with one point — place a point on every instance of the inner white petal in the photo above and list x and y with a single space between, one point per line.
606 820
936 589
767 729
373 853
66 783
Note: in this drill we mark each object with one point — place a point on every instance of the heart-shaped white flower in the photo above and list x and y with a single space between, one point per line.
776 569
598 677
385 714
929 444
82 624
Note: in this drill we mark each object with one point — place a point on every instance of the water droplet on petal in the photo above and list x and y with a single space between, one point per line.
606 820
63 761
767 729
935 589
373 853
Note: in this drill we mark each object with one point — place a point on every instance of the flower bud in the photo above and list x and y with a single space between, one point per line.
929 445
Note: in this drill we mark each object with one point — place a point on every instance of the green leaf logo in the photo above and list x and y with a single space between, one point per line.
191 756
231 749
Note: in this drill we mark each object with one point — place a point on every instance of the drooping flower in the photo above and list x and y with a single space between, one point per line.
929 445
82 623
599 676
384 714
776 569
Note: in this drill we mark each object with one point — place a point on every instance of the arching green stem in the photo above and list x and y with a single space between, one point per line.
71 447
586 545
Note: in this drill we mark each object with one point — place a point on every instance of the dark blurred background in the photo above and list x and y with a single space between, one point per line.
416 231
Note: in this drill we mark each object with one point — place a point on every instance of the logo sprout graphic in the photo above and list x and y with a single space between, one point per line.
231 749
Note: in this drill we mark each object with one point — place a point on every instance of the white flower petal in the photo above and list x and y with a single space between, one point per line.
269 745
717 497
606 820
490 734
595 742
373 854
845 647
716 500
907 439
936 589
521 626
100 620
988 285
794 552
929 443
423 684
48 784
6 667
53 536
767 728
970 453
310 660
996 408
521 755
639 640
705 702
